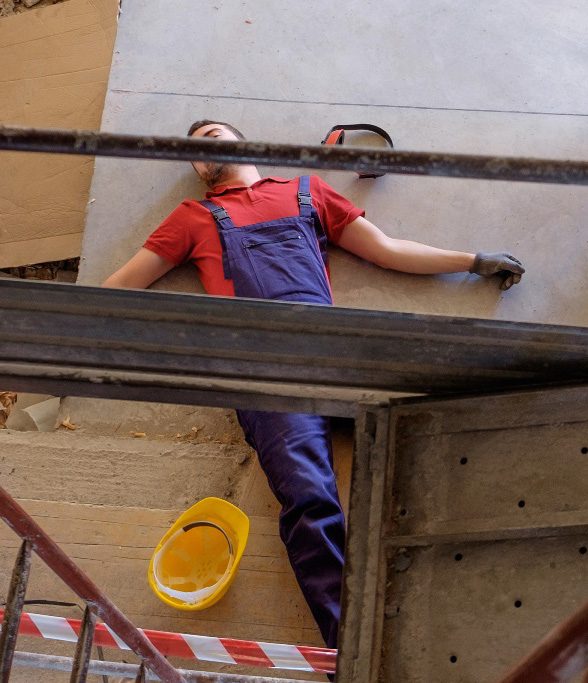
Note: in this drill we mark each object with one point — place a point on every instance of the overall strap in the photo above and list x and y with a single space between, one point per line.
222 219
223 222
304 196
307 210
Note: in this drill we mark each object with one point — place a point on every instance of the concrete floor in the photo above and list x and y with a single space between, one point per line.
490 78
441 75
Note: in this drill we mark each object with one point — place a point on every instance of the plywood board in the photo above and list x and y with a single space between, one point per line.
55 67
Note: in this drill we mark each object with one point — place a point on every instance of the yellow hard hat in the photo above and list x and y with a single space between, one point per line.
196 561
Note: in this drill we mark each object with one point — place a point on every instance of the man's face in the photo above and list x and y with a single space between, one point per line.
212 172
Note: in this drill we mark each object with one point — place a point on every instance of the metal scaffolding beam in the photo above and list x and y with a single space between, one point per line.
128 672
337 157
178 348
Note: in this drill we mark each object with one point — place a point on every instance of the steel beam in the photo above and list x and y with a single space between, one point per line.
14 605
81 659
184 390
364 577
364 160
93 341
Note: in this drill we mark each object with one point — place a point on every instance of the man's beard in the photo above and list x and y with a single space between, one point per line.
214 173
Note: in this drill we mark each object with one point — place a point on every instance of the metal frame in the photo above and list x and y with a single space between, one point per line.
215 351
71 340
363 160
362 604
133 671
14 605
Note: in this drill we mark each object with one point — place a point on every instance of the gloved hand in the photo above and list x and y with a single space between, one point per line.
507 266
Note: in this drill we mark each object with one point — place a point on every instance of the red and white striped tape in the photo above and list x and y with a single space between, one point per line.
187 646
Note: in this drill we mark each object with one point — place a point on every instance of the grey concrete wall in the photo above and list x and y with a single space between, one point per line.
490 78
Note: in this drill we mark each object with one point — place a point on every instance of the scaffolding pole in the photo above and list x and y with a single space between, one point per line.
334 157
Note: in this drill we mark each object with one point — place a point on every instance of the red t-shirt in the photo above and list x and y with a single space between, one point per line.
189 233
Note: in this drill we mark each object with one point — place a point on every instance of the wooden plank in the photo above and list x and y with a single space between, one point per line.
56 64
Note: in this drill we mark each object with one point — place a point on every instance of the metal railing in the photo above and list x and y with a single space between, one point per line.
335 157
97 604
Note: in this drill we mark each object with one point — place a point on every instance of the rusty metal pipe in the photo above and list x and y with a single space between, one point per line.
364 160
140 677
14 605
33 660
24 525
81 659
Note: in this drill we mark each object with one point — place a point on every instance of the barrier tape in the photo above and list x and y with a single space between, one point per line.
188 646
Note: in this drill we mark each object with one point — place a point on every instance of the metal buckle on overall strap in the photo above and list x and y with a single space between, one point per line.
304 199
219 214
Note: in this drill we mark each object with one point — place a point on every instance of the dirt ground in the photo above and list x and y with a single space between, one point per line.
9 7
62 271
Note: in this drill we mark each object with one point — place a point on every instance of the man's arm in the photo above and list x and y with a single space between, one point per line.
364 239
139 272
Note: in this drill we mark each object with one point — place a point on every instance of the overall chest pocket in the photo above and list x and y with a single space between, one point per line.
286 265
275 238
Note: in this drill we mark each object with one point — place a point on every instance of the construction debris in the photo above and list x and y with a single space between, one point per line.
8 7
7 401
68 425
65 270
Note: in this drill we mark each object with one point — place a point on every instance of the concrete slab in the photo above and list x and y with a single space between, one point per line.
137 472
527 56
187 424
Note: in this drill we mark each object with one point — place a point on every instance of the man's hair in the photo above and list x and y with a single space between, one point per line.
205 122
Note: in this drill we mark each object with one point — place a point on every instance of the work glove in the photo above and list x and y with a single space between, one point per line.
505 265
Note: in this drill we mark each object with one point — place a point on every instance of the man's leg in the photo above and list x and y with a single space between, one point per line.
295 453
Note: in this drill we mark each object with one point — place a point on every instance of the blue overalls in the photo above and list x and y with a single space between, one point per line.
286 259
